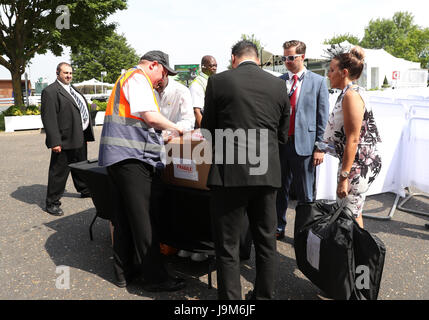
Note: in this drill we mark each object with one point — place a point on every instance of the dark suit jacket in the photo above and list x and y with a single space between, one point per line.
61 119
247 98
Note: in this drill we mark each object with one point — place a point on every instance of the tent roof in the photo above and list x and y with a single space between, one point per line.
377 55
92 82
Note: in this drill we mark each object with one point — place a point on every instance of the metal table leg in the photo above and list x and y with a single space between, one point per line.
409 196
389 216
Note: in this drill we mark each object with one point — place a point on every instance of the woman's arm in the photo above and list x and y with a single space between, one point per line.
353 111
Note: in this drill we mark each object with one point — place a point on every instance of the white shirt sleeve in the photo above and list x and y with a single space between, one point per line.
197 93
187 117
140 96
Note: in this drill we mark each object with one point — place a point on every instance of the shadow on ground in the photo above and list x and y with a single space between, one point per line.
36 194
71 246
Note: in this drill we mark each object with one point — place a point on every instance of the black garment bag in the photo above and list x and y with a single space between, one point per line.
332 251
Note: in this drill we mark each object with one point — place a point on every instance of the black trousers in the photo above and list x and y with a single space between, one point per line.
136 246
59 173
228 214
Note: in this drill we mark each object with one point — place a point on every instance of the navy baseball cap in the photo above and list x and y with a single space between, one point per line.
162 58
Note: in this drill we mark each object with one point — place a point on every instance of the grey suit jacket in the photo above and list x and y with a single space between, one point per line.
312 112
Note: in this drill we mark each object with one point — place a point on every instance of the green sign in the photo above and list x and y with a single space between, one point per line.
186 72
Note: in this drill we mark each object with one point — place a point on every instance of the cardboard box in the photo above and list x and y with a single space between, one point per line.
188 161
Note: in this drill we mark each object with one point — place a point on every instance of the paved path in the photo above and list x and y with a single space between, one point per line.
34 244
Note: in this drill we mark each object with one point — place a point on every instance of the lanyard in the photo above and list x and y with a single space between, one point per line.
296 85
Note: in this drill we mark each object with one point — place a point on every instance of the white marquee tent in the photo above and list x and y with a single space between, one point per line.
93 85
379 64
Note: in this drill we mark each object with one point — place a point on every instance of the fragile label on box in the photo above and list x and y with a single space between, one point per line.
185 169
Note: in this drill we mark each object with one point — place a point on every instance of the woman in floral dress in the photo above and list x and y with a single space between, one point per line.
352 130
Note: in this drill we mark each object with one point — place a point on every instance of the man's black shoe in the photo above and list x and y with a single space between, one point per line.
85 195
250 295
120 281
280 235
172 284
54 210
123 279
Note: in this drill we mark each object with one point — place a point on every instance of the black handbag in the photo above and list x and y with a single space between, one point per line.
329 248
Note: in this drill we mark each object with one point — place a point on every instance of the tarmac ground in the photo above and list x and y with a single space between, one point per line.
38 250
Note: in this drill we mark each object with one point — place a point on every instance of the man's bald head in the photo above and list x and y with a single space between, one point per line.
208 65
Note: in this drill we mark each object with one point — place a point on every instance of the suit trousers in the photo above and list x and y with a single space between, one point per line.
136 246
228 215
298 172
59 171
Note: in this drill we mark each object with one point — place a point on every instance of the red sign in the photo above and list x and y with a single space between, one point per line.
395 75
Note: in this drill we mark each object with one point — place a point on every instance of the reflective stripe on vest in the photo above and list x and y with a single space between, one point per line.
140 145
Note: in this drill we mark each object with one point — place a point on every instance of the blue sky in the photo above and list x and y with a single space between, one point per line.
189 29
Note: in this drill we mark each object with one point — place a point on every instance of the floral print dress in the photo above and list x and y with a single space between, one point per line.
367 163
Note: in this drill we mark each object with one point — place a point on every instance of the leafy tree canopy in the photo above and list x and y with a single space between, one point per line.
399 36
113 55
341 38
30 27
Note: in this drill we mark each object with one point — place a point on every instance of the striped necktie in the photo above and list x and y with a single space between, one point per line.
82 108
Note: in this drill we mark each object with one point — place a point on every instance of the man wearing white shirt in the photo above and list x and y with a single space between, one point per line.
175 103
198 87
68 128
309 99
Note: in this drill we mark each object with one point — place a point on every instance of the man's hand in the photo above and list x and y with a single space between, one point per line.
317 157
168 135
56 149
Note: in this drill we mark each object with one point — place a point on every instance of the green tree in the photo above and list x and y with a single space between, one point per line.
400 37
341 38
257 43
30 27
253 39
113 55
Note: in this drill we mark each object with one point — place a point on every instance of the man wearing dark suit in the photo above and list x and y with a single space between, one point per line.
309 98
252 105
68 127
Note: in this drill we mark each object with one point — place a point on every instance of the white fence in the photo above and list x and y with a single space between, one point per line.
36 100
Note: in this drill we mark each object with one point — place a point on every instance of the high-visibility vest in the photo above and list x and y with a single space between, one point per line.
125 136
201 80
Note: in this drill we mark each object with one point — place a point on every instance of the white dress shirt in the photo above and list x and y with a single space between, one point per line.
69 88
289 83
176 105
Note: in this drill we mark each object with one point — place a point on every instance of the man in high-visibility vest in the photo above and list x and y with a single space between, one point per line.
198 87
130 148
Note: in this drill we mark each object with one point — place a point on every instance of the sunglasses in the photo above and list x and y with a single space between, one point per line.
291 58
